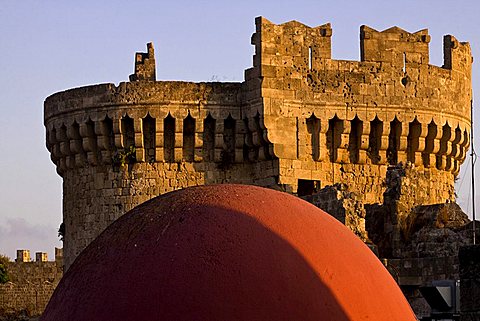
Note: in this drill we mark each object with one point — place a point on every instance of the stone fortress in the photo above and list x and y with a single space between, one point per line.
382 138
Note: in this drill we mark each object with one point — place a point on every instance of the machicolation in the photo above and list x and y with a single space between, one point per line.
390 130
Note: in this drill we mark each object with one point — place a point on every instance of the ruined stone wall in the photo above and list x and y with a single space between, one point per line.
30 287
344 205
346 121
395 225
299 121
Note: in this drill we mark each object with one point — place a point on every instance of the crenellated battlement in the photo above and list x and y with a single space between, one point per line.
299 121
30 284
394 45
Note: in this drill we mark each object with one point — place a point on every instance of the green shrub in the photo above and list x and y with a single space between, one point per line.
3 268
123 157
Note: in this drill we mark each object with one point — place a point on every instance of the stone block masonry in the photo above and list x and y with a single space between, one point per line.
300 121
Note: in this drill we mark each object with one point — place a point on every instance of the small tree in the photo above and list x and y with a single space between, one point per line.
3 268
61 231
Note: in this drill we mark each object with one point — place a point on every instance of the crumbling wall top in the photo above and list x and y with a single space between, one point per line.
144 65
457 55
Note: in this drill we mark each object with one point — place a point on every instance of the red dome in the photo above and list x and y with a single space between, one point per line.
227 252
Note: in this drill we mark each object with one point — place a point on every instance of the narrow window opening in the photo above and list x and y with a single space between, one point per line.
375 140
106 139
149 133
429 141
92 139
308 187
297 137
169 139
394 141
228 154
413 140
189 138
310 58
334 137
354 141
91 134
128 132
209 138
76 131
108 125
313 128
405 78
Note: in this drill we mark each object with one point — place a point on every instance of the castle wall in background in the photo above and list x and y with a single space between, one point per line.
31 284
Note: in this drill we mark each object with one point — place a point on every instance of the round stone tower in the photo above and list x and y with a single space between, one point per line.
299 121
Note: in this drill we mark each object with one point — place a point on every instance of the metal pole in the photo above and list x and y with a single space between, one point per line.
472 155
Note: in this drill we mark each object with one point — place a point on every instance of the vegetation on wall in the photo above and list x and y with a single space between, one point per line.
126 156
3 268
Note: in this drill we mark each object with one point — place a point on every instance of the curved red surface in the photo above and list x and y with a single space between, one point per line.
227 252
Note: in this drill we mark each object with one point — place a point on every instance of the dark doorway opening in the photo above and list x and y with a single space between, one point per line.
308 187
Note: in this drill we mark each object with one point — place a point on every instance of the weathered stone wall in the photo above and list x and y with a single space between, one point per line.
29 289
470 282
299 121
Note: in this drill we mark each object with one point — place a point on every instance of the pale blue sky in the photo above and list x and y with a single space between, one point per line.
47 46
